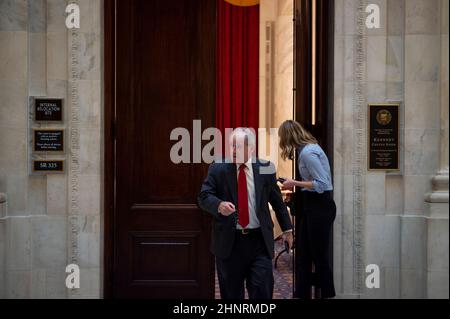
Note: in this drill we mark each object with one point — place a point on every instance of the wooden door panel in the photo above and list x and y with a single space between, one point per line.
168 246
165 78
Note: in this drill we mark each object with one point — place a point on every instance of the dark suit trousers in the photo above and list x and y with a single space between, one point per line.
248 263
317 215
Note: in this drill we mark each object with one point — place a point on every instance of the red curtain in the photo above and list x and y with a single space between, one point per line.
237 83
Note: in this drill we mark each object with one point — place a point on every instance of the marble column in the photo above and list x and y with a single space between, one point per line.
440 182
437 201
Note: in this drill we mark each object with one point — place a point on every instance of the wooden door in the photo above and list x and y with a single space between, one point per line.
160 69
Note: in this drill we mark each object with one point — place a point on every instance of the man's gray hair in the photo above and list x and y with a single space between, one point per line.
248 132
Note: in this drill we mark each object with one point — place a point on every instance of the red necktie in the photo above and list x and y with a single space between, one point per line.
243 216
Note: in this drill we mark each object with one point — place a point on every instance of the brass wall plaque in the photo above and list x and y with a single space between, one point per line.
48 110
48 140
48 166
384 137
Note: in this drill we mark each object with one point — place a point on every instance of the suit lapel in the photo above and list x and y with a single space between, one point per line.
258 184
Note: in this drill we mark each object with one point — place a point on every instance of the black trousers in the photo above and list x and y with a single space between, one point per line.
318 212
248 263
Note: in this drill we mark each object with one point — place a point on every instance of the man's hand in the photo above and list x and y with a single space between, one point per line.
226 208
287 236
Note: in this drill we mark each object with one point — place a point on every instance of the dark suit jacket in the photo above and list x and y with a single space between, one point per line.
221 185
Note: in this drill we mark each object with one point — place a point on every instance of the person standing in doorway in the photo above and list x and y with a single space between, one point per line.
317 208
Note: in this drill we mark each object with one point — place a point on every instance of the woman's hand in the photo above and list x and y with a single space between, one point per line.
289 184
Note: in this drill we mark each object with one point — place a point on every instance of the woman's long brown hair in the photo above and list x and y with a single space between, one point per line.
292 135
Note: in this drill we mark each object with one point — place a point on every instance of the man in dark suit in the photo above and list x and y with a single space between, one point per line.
236 193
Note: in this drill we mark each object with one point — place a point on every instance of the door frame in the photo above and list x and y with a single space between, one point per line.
109 8
323 129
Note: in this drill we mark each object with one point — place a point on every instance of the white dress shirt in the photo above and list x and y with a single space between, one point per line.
253 219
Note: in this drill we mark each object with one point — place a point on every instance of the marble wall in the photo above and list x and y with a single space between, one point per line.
382 217
50 220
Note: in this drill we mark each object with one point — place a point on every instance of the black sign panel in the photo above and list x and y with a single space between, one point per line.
49 140
384 136
48 110
48 166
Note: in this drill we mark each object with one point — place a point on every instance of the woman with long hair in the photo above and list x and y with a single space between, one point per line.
317 208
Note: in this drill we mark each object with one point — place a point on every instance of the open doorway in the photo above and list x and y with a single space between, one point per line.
277 32
295 82
148 92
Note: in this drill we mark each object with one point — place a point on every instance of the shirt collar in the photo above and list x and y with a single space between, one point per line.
248 164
